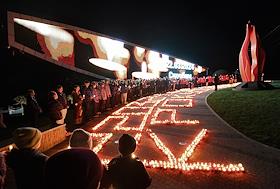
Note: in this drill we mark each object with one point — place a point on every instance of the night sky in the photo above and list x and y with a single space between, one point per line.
209 34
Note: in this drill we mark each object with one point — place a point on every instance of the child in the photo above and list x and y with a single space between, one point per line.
126 171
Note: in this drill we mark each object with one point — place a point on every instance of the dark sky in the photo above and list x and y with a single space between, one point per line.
207 33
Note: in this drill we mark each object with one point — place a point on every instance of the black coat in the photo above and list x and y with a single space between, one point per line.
28 166
32 107
62 99
54 110
76 168
126 173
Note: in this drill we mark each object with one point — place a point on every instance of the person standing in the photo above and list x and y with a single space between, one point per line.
54 108
124 90
103 96
87 95
95 100
32 109
78 105
216 81
114 89
109 95
26 161
140 88
63 101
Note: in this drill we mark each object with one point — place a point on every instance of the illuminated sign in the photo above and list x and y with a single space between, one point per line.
180 64
182 75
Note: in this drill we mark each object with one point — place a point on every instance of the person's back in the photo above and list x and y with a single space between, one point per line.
26 161
127 173
76 168
28 166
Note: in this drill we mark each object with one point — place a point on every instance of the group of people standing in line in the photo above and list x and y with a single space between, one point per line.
72 168
57 107
93 98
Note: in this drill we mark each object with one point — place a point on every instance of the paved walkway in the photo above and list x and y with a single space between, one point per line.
222 144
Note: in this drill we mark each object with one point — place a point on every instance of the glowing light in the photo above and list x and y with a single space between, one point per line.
188 104
196 166
155 120
123 120
11 147
143 75
182 65
153 57
190 149
181 75
162 147
121 111
158 67
156 63
138 137
173 162
139 51
108 65
144 67
166 60
104 139
143 123
199 69
55 33
113 48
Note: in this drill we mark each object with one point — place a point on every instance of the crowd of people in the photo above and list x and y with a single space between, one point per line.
94 98
79 166
72 168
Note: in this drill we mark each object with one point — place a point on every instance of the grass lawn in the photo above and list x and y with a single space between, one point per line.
254 113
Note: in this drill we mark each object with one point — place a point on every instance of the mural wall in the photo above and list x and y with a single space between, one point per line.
90 53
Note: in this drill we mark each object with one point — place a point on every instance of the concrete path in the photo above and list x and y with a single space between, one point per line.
222 144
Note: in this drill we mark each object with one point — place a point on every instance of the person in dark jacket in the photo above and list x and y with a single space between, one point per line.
124 90
32 109
87 94
78 102
63 101
126 171
216 81
75 168
25 160
55 108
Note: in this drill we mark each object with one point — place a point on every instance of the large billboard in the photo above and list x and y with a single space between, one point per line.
91 53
